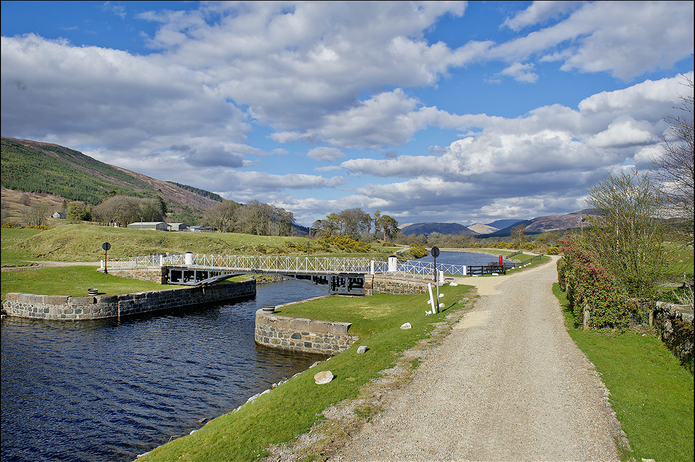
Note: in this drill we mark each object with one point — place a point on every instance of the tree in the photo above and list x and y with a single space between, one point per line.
674 169
37 214
152 209
224 216
77 212
120 210
285 221
354 222
518 234
626 231
389 226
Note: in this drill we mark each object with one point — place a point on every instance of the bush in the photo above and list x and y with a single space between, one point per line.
418 251
346 244
591 287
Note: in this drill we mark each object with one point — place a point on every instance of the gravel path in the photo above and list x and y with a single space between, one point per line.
508 383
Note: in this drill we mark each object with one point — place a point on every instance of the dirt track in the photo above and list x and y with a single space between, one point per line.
47 264
507 384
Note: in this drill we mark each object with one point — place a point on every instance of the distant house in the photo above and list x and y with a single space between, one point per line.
153 225
199 229
59 215
177 226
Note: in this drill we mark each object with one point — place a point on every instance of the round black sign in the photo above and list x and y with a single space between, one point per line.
435 252
106 246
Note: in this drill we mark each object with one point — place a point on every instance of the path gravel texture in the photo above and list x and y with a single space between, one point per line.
508 384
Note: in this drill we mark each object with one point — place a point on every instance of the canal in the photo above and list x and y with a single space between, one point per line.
109 390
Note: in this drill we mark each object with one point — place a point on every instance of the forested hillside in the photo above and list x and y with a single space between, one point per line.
37 167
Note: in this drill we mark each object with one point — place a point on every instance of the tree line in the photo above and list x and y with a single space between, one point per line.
358 225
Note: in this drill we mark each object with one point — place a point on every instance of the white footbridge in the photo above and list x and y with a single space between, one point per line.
343 275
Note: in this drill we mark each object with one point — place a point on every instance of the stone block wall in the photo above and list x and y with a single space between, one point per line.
301 334
64 308
152 274
393 285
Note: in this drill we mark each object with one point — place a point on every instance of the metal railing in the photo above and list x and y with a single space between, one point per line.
289 265
425 270
256 263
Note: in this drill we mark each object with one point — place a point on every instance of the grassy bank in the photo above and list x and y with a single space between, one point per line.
82 243
72 281
651 393
292 408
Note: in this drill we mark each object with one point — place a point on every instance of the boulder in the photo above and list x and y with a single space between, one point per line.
323 377
362 349
406 326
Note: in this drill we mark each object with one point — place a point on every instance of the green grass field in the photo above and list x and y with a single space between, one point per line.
651 393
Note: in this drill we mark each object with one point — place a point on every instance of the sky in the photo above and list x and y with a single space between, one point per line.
428 112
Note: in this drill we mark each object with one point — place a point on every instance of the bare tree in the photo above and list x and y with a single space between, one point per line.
37 214
224 217
626 231
674 169
518 234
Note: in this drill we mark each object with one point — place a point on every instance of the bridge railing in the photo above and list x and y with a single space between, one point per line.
289 264
276 264
425 270
133 262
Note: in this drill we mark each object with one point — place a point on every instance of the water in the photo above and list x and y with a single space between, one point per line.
109 390
463 258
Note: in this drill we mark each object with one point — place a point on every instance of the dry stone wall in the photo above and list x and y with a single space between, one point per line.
64 308
676 328
301 334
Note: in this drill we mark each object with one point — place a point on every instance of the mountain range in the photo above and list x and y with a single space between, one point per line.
499 228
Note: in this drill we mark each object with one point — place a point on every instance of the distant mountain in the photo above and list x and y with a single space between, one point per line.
541 224
480 228
501 224
429 228
555 222
32 166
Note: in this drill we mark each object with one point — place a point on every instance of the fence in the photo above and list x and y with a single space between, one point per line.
306 265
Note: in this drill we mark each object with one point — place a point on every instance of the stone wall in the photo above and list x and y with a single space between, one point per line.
675 326
300 334
394 285
64 308
156 274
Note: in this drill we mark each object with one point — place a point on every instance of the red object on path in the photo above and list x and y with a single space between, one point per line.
500 260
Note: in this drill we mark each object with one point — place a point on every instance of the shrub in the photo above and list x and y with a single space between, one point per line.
590 286
418 251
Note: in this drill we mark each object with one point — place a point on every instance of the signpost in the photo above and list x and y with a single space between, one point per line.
435 254
106 246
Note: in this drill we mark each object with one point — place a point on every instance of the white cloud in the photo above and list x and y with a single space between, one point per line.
521 72
324 153
539 12
625 39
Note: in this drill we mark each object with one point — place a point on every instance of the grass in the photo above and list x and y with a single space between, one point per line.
651 393
82 243
72 281
292 408
10 238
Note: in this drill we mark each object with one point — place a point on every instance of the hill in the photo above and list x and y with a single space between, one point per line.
542 224
480 228
429 228
46 168
501 224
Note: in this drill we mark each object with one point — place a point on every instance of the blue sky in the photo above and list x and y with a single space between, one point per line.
434 111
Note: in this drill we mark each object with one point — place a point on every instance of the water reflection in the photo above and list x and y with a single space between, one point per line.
109 390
